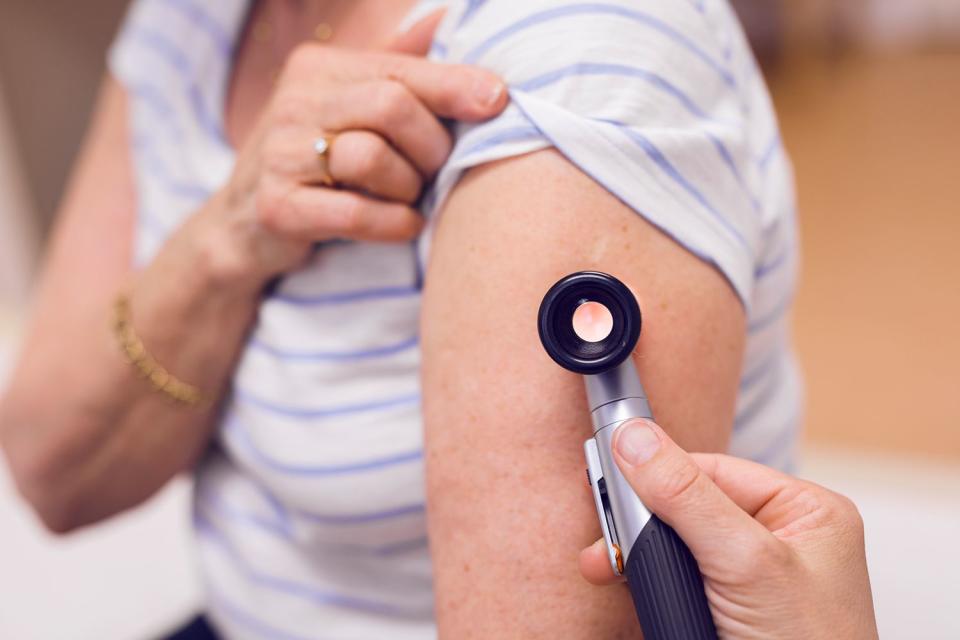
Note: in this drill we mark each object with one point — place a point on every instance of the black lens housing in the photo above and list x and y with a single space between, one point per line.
555 322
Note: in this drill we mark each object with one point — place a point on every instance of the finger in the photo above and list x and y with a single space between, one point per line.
363 160
774 499
673 486
749 484
357 159
416 40
461 92
314 213
391 110
595 565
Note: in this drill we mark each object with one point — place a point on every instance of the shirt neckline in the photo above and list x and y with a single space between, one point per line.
241 16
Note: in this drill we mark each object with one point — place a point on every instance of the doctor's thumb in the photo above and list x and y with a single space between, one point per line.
671 484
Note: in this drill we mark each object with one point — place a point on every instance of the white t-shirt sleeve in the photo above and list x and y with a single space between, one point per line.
125 60
639 94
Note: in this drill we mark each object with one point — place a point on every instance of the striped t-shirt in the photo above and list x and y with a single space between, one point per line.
310 508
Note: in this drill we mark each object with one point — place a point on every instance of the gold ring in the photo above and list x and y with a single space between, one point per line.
321 147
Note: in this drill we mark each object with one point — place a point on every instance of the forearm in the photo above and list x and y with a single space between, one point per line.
86 437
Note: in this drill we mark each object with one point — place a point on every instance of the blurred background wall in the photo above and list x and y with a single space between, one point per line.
65 40
867 93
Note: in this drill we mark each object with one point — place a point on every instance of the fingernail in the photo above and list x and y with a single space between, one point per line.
637 442
487 91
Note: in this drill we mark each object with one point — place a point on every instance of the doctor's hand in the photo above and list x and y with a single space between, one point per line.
780 557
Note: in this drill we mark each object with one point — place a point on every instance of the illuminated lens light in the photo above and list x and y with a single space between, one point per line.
592 322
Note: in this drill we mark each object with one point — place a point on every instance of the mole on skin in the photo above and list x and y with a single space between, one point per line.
592 322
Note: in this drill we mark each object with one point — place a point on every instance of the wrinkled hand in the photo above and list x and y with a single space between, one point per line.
780 557
384 110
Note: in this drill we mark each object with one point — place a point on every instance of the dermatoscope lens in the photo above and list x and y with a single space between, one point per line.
592 322
589 322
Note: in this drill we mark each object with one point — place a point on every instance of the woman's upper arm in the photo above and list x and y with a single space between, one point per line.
509 508
86 259
90 250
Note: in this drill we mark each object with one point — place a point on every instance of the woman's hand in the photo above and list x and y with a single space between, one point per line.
381 112
780 557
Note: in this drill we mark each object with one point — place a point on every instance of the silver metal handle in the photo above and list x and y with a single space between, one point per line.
621 513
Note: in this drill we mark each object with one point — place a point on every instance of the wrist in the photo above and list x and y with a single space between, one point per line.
222 250
194 303
203 271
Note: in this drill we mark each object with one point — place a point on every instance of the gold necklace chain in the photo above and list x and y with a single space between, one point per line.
264 33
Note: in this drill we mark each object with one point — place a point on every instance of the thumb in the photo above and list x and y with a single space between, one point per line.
417 39
674 487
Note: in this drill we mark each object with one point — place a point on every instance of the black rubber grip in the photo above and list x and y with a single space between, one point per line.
667 587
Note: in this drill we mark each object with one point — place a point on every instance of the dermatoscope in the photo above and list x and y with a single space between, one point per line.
662 574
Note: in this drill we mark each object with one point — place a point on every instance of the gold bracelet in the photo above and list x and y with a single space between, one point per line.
146 365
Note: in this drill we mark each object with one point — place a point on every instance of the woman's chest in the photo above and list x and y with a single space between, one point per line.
272 30
325 409
341 331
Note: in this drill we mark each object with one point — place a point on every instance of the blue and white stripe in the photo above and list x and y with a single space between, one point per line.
310 512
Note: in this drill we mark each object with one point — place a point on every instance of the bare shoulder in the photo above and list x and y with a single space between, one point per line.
512 228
